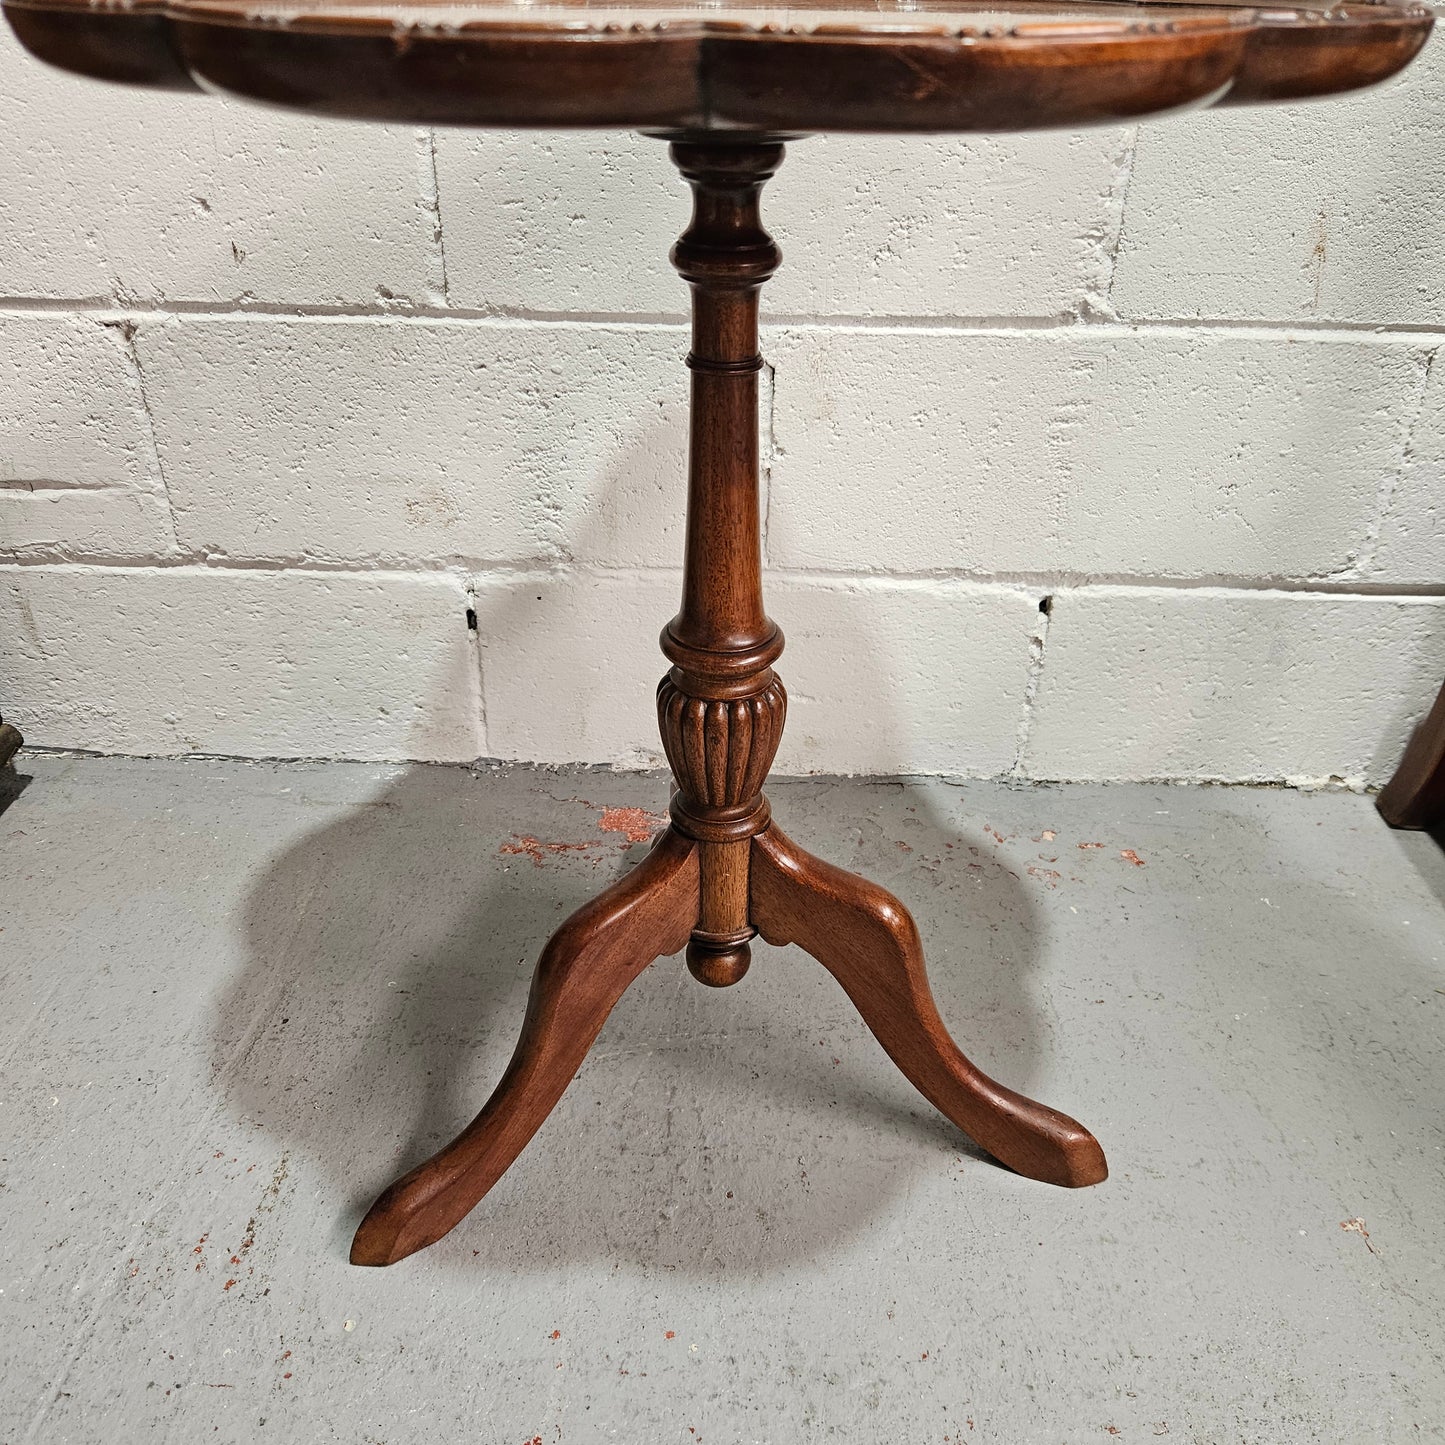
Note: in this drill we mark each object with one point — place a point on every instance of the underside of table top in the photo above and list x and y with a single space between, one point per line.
936 66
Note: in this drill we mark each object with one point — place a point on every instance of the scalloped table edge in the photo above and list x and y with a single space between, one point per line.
705 74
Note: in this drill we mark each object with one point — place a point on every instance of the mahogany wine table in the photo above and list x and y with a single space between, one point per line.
727 85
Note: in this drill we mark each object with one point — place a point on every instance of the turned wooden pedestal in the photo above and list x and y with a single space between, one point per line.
722 872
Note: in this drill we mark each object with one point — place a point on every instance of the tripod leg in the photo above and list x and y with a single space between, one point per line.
864 937
585 968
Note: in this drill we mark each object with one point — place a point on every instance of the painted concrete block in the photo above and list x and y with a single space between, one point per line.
381 441
78 473
1243 686
71 412
974 226
1328 212
882 677
113 192
1411 543
1086 449
100 523
187 659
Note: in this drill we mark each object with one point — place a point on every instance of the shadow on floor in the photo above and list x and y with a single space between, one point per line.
12 784
389 955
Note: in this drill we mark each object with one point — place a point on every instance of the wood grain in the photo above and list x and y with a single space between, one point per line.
811 66
866 939
586 967
721 708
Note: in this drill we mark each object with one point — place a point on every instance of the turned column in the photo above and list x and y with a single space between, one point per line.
721 707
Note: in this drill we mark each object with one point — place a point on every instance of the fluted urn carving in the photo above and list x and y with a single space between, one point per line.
720 750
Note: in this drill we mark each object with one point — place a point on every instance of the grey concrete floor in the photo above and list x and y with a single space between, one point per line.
236 998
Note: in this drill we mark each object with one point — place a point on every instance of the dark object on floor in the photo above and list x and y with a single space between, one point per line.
10 742
1415 796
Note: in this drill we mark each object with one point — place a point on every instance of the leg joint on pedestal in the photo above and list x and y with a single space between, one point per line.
720 750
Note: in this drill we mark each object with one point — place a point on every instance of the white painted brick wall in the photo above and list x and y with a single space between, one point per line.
259 663
412 441
283 399
878 669
1098 449
1145 674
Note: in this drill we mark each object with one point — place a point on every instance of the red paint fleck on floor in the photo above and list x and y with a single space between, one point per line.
924 1355
287 1375
637 825
903 847
1047 836
524 845
1357 1226
670 1335
1130 856
227 1285
1049 877
1089 845
556 1334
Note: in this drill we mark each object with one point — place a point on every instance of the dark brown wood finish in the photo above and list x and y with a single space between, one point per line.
866 939
721 708
940 65
728 88
586 967
721 872
1415 796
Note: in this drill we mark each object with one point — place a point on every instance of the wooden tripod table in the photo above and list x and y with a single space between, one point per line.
726 84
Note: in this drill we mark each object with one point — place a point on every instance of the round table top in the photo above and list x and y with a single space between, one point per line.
729 65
